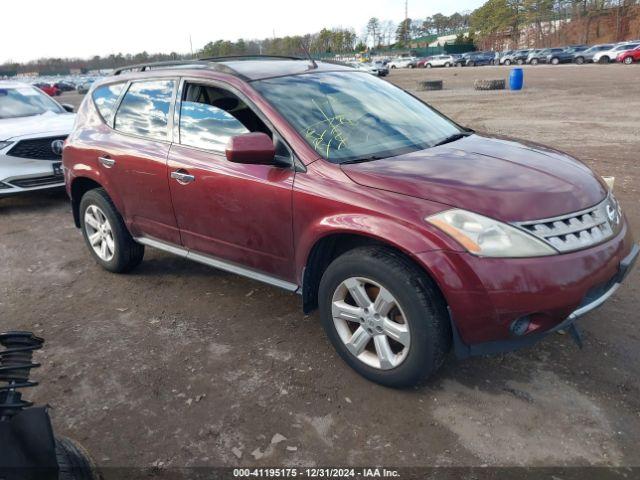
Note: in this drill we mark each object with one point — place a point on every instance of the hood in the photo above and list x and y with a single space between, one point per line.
54 123
493 176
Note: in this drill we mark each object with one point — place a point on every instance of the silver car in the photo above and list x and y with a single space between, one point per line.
33 128
606 56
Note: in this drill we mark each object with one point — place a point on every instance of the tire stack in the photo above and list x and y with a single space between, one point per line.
430 85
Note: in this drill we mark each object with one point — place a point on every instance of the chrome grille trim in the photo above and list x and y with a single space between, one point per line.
578 230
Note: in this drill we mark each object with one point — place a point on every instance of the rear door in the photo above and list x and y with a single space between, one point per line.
135 158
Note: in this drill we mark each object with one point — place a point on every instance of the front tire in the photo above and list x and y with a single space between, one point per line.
106 235
507 62
385 317
628 61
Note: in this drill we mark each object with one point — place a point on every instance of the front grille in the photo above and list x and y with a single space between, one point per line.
38 181
36 148
579 230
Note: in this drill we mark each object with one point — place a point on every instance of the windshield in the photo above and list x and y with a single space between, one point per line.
25 102
351 116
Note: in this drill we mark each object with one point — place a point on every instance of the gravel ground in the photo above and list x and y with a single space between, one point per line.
181 365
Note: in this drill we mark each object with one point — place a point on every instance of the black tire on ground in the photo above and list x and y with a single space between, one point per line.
128 253
628 60
489 84
555 61
472 64
507 62
428 65
534 61
74 462
579 60
423 305
393 66
447 64
430 85
604 59
520 61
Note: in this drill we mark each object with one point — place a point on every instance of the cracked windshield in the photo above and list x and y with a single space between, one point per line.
350 117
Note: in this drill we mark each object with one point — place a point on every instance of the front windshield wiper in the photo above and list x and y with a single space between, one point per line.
452 138
362 159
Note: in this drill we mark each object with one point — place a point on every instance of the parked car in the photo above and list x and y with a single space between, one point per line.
421 62
565 56
403 62
586 56
474 59
64 86
543 56
47 88
629 56
383 68
366 67
606 56
409 232
84 86
440 61
504 55
33 128
519 57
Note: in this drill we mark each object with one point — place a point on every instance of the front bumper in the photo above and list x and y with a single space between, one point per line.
18 175
487 295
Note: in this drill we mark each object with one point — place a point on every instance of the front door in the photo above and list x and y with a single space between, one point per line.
238 213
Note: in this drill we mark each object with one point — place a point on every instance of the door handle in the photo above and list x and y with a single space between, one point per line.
182 177
107 162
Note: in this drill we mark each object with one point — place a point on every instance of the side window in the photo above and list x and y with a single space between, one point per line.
210 116
105 98
144 110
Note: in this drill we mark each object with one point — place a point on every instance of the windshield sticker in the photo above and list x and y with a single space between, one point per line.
328 134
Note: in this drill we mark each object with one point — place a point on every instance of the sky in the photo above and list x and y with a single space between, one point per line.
83 28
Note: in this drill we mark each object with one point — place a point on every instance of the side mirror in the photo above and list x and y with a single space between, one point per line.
251 148
69 108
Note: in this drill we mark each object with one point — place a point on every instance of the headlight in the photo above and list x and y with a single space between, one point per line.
487 237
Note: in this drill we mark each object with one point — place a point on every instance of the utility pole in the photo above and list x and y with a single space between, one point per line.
191 45
406 10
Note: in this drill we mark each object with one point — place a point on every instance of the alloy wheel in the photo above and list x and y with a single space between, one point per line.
370 322
99 233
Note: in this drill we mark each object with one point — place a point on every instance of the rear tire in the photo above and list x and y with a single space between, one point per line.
580 60
121 253
604 59
507 62
555 61
534 61
520 62
417 302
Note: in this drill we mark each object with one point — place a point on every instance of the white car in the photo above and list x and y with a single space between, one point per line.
607 56
440 61
366 67
33 128
403 62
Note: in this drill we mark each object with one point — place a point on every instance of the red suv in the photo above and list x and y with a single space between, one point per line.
629 56
409 232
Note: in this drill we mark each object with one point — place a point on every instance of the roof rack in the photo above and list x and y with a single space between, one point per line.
198 62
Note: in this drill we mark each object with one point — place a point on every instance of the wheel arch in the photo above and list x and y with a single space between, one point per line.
333 244
79 187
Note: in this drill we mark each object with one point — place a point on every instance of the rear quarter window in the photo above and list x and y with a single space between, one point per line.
105 98
144 110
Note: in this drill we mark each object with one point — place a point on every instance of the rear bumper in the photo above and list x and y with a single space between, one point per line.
487 295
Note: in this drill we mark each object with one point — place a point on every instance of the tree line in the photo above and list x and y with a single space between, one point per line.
540 23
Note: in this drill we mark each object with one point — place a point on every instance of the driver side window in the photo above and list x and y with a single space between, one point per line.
210 116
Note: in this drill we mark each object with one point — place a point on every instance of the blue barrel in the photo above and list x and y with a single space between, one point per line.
516 79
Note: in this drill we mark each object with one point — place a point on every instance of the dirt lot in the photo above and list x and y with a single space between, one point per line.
181 364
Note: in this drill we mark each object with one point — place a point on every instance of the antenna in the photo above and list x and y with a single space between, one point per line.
313 63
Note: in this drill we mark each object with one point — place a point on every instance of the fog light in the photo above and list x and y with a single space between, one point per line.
520 326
